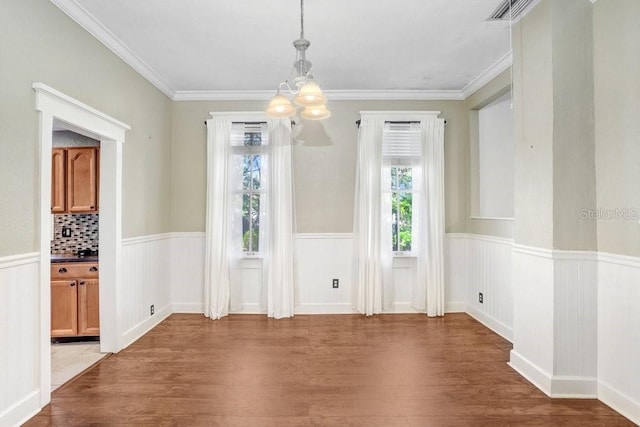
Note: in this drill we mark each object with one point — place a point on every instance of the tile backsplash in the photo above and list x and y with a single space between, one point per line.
84 233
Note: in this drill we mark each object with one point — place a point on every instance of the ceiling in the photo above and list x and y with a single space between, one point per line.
362 49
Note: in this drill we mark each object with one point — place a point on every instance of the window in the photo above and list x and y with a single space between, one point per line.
401 158
249 142
401 208
492 154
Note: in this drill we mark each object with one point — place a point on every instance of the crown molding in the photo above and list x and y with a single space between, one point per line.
83 18
489 74
334 95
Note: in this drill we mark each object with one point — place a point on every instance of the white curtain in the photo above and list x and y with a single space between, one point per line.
368 280
279 262
217 219
428 292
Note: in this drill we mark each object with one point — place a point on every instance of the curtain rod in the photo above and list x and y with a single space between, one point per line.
394 122
251 123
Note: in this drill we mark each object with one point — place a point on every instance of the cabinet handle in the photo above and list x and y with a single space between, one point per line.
62 270
81 283
72 284
93 269
92 207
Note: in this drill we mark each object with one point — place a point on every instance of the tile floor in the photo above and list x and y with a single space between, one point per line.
69 359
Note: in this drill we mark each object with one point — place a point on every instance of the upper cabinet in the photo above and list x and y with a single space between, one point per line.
74 178
58 191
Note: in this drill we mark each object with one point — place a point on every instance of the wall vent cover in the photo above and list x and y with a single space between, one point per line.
509 9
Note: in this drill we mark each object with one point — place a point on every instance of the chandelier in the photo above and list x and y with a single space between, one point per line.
300 85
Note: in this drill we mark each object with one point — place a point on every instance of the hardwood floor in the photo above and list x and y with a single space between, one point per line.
342 370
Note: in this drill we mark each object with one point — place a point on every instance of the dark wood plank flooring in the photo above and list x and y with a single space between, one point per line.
333 370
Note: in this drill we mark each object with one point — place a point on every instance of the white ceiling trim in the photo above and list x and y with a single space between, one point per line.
336 95
106 37
489 74
81 16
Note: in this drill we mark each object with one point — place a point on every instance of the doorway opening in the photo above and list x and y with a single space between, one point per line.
59 110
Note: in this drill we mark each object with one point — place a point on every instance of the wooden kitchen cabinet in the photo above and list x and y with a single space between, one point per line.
75 301
88 307
64 308
58 180
82 179
74 180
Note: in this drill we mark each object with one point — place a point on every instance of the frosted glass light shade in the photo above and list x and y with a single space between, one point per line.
309 95
279 107
316 112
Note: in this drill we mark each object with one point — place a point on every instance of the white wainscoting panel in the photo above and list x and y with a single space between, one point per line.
146 275
575 324
20 335
320 258
456 273
619 333
489 272
248 294
187 272
533 326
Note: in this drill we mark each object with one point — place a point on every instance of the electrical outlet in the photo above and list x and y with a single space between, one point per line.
66 232
152 309
336 283
480 298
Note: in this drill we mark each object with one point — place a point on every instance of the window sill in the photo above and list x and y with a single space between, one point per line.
404 255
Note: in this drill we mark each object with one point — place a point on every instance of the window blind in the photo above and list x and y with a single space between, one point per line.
245 134
401 141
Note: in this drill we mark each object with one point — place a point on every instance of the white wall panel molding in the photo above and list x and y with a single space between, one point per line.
18 260
619 333
20 388
623 260
482 264
532 250
146 277
575 319
555 321
533 320
324 236
145 239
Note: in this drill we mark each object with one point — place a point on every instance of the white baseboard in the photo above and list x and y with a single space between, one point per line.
133 334
531 372
21 411
187 307
574 387
325 308
495 325
620 402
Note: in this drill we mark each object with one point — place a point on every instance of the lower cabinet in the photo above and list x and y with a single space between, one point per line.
75 303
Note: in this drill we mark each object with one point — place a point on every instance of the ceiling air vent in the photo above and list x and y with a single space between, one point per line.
509 9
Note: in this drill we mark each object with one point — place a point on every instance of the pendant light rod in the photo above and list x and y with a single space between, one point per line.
301 19
300 84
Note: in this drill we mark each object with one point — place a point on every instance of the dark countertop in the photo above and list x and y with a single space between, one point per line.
58 258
